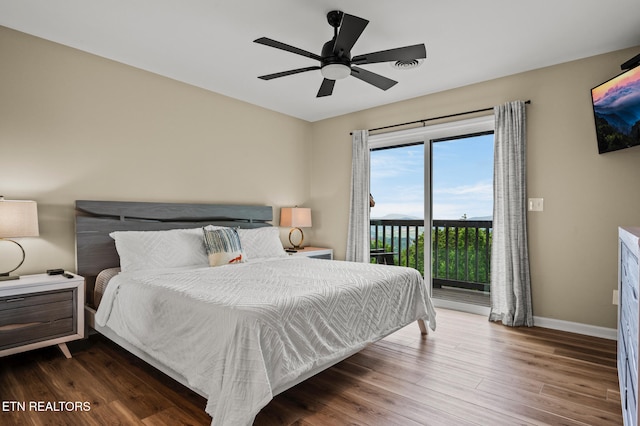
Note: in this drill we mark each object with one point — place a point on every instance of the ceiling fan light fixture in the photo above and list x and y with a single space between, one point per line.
335 71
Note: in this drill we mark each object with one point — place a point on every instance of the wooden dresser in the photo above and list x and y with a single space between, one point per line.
628 314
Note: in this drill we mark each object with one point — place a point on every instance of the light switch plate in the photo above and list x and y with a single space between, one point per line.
536 204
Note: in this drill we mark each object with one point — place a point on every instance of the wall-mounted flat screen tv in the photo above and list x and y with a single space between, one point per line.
616 108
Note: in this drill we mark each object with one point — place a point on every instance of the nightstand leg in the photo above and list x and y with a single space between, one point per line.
65 350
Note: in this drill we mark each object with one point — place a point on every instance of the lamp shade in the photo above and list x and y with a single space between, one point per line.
18 218
295 217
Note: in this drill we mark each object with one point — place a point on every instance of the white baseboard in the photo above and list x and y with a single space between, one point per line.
576 327
554 324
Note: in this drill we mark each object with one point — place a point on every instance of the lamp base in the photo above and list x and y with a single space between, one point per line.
299 245
4 276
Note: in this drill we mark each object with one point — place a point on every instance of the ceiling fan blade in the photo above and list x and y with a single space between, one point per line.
326 88
282 46
417 51
286 73
377 80
350 30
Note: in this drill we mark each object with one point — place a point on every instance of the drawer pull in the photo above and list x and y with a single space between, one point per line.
11 327
17 299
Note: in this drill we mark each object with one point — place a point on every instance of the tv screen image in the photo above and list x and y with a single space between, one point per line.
616 107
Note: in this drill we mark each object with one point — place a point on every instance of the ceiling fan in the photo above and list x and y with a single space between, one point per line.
335 60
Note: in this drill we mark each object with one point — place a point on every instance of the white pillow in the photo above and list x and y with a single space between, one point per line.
261 242
144 250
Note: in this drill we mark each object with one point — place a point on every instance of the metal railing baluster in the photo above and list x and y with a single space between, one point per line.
466 249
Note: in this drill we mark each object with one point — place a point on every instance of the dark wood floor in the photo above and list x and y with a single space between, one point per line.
468 372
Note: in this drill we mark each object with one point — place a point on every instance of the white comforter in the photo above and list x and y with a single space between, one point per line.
241 333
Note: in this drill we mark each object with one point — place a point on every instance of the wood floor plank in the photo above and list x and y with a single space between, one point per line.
31 387
75 383
347 399
414 402
446 395
604 404
460 371
106 414
471 404
183 398
536 366
168 417
582 412
280 411
468 372
319 408
410 368
118 373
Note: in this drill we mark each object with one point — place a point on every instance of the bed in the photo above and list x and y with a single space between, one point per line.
256 323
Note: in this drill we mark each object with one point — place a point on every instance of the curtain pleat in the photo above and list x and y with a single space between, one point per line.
358 237
510 278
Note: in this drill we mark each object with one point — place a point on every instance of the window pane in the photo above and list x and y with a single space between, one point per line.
397 182
462 178
397 219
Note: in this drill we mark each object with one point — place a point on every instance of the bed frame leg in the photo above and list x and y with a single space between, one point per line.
423 327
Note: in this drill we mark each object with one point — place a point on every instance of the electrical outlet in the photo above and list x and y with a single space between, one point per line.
615 297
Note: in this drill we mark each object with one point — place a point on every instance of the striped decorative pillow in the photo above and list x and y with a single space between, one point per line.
223 246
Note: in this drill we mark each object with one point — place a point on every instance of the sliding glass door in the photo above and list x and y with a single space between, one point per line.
432 205
462 205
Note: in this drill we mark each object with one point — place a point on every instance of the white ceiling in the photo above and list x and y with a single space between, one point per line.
209 43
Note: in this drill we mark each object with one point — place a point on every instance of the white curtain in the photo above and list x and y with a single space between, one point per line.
510 279
358 237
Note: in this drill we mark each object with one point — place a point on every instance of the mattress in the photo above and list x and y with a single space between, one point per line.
241 333
102 281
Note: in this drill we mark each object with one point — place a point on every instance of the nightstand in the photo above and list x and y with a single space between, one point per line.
41 310
315 252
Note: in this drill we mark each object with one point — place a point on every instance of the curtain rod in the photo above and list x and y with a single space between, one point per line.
424 120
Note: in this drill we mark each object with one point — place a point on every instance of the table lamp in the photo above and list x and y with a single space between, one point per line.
18 218
295 218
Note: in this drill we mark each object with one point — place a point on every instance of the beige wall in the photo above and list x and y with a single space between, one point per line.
572 242
76 126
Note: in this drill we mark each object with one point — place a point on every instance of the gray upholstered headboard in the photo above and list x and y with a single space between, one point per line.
96 251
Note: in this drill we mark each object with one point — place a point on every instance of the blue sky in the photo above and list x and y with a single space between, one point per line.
462 179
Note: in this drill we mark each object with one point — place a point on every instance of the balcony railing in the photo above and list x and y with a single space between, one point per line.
460 249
